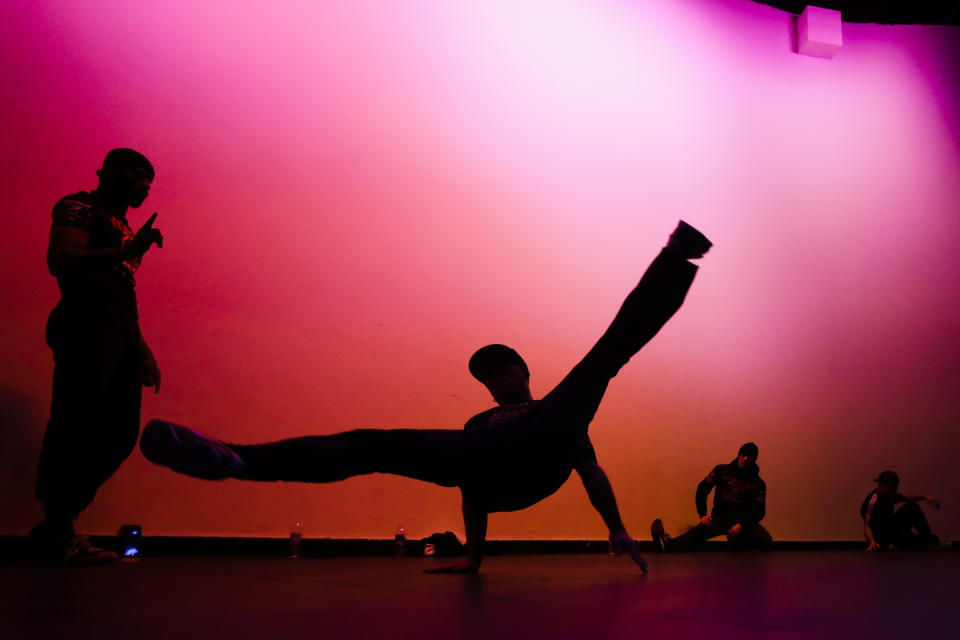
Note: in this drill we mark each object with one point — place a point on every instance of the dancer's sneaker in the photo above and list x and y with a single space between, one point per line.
688 242
81 551
188 452
660 537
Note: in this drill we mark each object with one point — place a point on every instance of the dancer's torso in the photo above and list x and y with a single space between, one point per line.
524 460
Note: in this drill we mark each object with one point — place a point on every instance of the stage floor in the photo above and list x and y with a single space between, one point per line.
713 595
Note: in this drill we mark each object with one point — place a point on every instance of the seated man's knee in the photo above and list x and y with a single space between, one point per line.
909 509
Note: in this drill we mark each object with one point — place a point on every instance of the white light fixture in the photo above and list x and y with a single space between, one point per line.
819 32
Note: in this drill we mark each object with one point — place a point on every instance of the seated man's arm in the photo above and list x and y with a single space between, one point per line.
703 490
475 523
866 512
923 498
601 496
758 509
872 544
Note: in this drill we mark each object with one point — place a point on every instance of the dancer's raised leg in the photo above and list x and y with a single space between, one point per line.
658 296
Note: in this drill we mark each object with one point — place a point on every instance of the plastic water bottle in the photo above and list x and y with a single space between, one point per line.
296 537
400 541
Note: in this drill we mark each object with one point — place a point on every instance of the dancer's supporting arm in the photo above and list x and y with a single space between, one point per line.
600 491
475 522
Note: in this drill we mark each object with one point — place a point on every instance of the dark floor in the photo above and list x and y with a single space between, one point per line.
799 594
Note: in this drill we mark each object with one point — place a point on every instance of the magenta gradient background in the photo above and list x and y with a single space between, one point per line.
356 195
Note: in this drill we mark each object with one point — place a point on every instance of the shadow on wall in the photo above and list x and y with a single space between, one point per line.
22 420
794 41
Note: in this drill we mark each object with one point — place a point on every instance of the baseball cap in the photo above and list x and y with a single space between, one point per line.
887 477
123 158
750 450
489 359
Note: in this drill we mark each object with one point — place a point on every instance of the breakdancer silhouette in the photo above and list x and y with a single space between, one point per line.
507 458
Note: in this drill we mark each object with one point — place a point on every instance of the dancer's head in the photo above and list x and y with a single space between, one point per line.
747 455
887 482
503 372
125 177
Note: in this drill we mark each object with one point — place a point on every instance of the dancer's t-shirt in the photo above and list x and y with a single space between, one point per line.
97 294
522 462
584 452
877 511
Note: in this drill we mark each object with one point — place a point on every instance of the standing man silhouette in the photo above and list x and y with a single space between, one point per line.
100 356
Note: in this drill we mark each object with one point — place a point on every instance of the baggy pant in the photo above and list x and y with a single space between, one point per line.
910 528
752 536
94 414
508 465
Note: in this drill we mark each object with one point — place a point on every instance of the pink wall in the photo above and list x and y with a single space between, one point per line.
356 195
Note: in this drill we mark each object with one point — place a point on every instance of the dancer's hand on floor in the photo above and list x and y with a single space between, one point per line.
460 567
705 520
873 546
622 542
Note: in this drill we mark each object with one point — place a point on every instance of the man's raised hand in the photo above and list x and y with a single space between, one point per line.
146 237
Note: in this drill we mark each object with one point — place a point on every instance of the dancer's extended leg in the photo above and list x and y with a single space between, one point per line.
660 293
432 455
439 456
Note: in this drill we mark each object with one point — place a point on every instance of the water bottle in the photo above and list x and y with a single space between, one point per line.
296 537
400 541
429 549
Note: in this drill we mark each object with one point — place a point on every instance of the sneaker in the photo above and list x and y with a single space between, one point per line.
81 551
188 452
660 537
688 242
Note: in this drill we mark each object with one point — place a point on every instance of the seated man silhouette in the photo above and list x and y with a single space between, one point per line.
507 458
739 504
903 528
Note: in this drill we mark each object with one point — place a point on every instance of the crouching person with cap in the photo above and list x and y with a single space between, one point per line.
885 527
739 504
101 359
